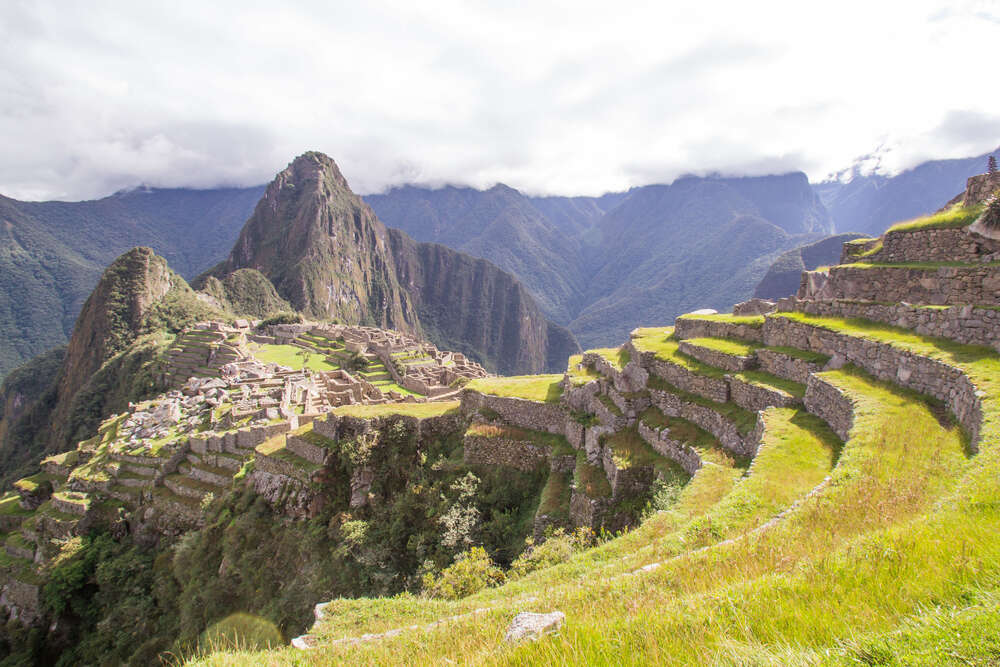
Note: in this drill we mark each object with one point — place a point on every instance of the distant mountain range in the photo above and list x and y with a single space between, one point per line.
597 265
603 265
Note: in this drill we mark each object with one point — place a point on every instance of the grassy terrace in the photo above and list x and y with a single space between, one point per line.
590 479
578 373
804 355
419 410
274 447
730 346
953 218
661 342
291 356
543 388
554 500
629 450
9 506
772 382
924 266
557 443
34 482
618 357
895 557
743 420
704 443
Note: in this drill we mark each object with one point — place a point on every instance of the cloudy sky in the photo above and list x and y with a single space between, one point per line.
550 97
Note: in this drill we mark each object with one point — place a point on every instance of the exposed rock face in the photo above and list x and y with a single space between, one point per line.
470 305
323 248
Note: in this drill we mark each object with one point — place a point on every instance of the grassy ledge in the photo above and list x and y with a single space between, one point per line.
542 388
418 410
953 218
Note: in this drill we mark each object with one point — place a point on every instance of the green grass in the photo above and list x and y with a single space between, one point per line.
664 346
578 373
554 500
274 447
953 218
10 506
292 357
419 410
557 443
773 382
692 435
629 450
590 479
33 483
543 388
618 357
744 420
730 346
923 266
804 355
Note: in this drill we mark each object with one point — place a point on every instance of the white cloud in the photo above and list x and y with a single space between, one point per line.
549 97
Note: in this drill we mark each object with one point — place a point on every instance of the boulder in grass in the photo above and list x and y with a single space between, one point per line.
528 625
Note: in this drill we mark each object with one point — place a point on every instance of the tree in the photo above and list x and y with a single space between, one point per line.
991 216
991 165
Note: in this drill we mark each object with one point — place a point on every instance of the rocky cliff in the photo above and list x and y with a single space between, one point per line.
323 249
470 305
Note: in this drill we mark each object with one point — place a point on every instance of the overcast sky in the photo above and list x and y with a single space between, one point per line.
564 98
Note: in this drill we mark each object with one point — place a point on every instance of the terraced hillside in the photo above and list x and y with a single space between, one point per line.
823 477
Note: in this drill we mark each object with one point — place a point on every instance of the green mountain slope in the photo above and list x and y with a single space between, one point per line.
53 253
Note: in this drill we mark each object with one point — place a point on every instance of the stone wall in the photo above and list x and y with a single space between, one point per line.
302 447
518 454
755 397
714 389
943 286
587 511
709 420
964 324
728 362
22 599
659 439
276 466
829 403
625 482
534 415
926 376
785 366
936 245
689 327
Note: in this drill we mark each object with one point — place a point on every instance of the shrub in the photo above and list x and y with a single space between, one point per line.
283 318
557 549
241 631
471 572
991 216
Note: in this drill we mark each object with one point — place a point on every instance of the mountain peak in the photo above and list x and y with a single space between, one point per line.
314 167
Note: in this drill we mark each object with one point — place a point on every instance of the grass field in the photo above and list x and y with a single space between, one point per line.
544 388
292 357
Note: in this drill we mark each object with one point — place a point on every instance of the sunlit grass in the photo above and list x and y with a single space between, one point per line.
544 388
